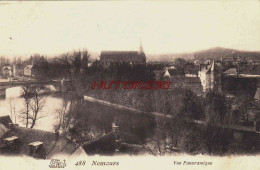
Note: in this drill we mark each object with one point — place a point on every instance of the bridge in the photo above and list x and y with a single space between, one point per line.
56 84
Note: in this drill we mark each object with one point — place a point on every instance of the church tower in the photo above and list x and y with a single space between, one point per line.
141 53
141 50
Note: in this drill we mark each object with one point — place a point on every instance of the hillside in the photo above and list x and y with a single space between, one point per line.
216 53
213 53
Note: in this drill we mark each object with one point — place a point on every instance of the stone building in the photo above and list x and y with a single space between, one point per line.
131 57
31 70
207 76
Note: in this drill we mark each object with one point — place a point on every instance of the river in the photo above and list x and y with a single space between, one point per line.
13 106
136 126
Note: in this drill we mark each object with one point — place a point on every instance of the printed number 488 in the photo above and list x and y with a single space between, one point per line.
80 163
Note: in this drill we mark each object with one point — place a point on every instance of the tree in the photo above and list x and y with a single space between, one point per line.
33 102
37 102
25 115
191 106
160 136
75 119
43 66
217 113
242 103
168 132
64 60
85 60
76 61
12 109
62 112
180 63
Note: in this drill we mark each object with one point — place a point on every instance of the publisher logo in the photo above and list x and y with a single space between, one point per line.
56 163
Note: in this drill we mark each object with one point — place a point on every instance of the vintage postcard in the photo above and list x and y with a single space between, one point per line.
125 85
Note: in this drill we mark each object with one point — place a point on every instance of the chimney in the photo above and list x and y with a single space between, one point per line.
11 144
35 147
10 140
10 126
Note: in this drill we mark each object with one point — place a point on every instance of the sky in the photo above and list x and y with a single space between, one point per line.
51 28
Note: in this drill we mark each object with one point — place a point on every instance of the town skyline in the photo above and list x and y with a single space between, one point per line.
37 27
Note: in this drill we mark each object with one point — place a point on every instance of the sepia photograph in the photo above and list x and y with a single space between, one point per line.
130 85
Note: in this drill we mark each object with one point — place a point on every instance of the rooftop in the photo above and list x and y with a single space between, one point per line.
26 136
185 79
29 67
120 55
231 72
106 145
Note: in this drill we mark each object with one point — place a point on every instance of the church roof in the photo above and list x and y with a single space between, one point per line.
120 55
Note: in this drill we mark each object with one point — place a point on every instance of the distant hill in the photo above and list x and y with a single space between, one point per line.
216 53
213 53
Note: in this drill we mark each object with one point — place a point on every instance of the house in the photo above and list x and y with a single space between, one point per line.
250 72
227 60
245 72
196 62
166 73
207 76
113 143
171 71
232 72
176 73
181 79
218 63
18 69
170 67
22 141
31 70
7 71
191 73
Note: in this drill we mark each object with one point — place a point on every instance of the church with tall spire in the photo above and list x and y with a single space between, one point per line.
131 57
